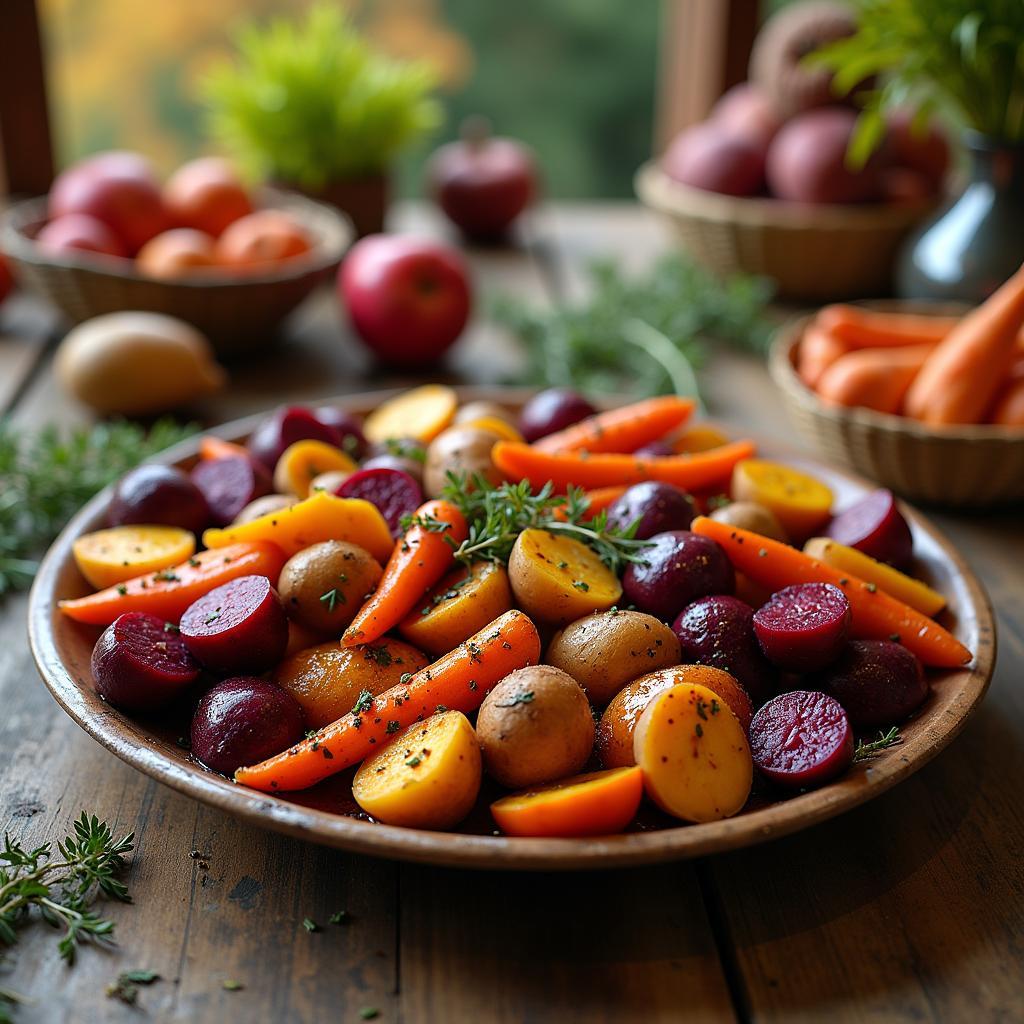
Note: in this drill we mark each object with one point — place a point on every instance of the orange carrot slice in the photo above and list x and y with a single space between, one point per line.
622 430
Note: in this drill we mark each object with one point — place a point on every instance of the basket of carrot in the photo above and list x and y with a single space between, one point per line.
923 398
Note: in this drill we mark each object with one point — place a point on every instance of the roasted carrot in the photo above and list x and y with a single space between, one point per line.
417 562
212 447
817 351
876 615
169 592
622 430
458 681
873 378
959 380
695 472
858 327
599 499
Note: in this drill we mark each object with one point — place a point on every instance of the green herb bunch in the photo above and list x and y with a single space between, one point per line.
643 335
309 103
965 57
46 477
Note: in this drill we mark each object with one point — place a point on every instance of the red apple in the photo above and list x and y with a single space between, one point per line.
746 111
78 231
119 189
481 182
408 298
711 157
6 280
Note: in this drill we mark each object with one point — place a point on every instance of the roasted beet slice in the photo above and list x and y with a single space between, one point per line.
228 484
801 739
878 682
552 410
242 721
238 627
719 631
141 663
394 493
803 628
283 428
348 426
655 508
157 495
875 526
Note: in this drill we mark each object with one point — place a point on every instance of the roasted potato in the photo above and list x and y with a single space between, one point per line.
461 450
262 506
749 515
485 410
535 726
604 651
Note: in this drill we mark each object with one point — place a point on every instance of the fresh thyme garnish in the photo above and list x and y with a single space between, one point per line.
517 698
331 598
62 890
363 702
126 988
404 449
310 925
865 751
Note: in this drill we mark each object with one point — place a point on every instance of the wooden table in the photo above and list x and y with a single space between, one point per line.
908 909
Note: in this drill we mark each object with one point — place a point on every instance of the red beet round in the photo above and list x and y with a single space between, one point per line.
801 739
394 493
552 410
141 663
803 628
402 463
229 483
719 631
878 682
654 507
283 428
875 526
676 568
158 495
237 627
243 721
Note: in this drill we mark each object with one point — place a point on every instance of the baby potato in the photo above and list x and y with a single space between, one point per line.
459 606
323 586
604 651
463 450
557 579
262 506
481 410
535 726
428 776
749 515
327 680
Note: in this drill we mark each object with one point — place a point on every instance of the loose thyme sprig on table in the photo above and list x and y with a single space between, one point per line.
865 751
498 514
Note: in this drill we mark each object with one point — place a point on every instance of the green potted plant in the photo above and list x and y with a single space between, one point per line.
311 106
965 59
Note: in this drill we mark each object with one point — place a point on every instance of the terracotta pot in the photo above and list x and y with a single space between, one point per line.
365 200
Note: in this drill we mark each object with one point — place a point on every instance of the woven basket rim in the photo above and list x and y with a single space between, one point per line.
781 366
333 232
656 189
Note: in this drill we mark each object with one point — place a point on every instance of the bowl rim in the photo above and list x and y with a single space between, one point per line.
781 365
333 229
655 188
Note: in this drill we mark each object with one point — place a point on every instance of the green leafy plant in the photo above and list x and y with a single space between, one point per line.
47 477
643 335
310 103
965 57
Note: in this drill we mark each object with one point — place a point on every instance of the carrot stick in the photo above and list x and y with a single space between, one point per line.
817 351
857 327
873 378
876 615
599 499
622 430
169 592
695 472
1009 407
422 557
457 681
959 380
212 447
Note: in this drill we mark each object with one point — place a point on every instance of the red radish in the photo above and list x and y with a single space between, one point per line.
408 298
481 182
239 626
803 628
801 739
244 720
396 494
229 483
158 495
141 663
878 682
552 410
286 426
78 232
875 525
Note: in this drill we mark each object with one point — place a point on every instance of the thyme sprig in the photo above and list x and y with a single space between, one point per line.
865 751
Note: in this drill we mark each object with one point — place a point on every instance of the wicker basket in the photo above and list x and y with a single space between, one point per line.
965 467
811 252
237 312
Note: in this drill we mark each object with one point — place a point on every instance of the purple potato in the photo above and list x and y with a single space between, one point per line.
719 631
229 484
803 628
242 721
658 507
552 410
676 568
283 428
155 495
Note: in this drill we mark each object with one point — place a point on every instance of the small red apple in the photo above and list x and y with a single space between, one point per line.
119 189
482 182
6 280
78 231
408 298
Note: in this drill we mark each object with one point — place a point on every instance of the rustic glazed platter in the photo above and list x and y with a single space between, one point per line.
326 814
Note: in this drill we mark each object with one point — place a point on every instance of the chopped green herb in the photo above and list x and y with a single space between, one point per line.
310 925
369 1012
340 917
332 598
518 698
413 762
363 702
230 985
581 585
699 729
122 590
126 988
392 727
